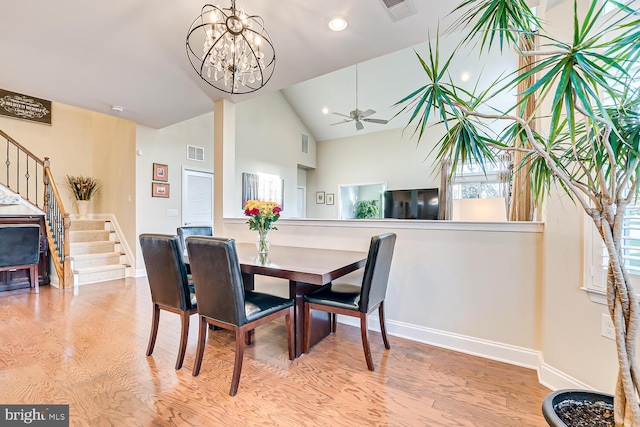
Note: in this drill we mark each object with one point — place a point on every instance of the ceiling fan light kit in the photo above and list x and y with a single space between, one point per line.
358 116
231 50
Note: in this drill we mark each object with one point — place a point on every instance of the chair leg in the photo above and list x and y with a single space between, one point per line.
184 336
237 367
290 332
307 327
364 331
202 334
155 319
383 327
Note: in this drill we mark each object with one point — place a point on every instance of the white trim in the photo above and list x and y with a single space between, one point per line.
510 226
513 355
554 379
597 295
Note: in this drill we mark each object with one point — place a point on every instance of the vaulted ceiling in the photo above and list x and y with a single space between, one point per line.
132 53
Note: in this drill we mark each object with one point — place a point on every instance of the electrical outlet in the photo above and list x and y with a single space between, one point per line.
607 327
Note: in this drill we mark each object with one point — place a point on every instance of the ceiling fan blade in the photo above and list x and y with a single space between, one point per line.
367 113
359 125
380 121
339 123
342 115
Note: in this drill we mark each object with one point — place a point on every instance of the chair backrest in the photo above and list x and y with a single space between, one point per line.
376 271
217 279
19 245
184 232
166 271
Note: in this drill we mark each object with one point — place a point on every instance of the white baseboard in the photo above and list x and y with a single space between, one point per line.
514 355
550 377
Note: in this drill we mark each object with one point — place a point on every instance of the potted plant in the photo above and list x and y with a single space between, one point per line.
367 209
589 148
83 189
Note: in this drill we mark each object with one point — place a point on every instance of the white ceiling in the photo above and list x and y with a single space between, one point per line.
95 54
132 53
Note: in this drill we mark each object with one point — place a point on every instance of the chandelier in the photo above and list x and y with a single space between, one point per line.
231 50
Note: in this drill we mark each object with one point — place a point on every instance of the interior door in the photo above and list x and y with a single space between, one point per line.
197 197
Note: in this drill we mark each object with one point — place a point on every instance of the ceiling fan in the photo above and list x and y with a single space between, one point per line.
358 115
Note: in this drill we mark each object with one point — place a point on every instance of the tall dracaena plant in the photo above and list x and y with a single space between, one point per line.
590 147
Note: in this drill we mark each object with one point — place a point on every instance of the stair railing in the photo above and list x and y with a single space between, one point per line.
24 172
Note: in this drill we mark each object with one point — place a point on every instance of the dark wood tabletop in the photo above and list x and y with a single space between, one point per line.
308 265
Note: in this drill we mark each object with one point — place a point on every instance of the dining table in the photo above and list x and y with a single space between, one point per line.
306 269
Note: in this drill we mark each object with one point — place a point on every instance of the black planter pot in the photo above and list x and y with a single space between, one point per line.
579 395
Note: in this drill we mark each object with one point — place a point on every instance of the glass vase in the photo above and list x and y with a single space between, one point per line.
263 242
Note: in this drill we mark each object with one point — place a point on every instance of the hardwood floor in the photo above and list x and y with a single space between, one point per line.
86 347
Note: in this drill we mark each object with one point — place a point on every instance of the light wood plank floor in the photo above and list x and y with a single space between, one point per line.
86 347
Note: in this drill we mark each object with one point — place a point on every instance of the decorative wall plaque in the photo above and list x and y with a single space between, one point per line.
25 107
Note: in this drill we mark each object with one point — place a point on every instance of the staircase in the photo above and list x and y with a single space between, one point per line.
95 251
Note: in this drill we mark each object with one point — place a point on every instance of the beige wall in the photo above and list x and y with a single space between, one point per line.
81 142
387 157
571 341
483 285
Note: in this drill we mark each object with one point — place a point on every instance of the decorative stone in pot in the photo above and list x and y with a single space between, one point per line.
578 408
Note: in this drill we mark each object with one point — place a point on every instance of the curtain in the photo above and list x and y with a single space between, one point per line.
446 196
250 183
521 206
504 179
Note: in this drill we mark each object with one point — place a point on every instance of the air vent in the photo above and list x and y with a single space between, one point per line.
195 153
399 9
305 143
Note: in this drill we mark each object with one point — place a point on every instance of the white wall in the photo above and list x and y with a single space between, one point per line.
167 146
268 140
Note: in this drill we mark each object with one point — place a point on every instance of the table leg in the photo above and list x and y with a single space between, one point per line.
320 325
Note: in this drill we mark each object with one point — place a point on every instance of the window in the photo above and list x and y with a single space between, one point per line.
472 182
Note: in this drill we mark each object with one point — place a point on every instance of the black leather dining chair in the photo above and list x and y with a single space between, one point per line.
350 300
170 289
223 301
192 230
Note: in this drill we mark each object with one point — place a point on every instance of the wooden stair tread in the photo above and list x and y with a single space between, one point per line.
96 255
98 269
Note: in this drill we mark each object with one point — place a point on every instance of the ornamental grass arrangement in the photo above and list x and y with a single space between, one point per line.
83 188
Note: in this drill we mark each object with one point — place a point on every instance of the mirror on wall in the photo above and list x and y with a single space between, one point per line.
361 201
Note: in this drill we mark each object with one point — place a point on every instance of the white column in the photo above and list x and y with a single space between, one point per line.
224 163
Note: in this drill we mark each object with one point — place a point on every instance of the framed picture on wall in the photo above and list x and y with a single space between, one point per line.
159 189
160 172
329 198
320 197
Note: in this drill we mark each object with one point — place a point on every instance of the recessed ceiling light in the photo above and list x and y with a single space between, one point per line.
465 76
337 24
325 110
117 108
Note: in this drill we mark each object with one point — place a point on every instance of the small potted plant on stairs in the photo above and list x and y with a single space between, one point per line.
585 91
83 189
